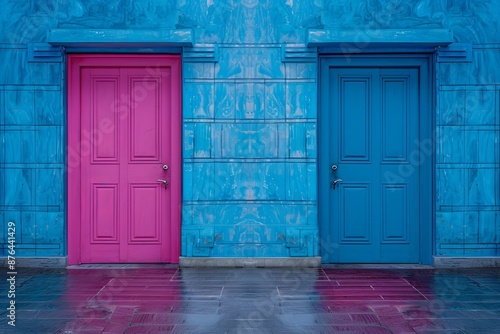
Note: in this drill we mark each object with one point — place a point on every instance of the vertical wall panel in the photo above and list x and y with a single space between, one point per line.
297 135
202 140
198 100
49 185
48 106
480 107
2 105
19 186
225 100
188 140
2 170
49 144
19 146
19 107
451 107
275 106
301 100
26 226
250 101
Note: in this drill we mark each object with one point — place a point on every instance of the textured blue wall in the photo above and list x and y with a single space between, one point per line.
249 130
31 136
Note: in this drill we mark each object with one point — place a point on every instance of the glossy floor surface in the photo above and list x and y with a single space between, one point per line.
156 299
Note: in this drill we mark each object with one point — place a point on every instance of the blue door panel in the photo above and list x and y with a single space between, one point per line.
355 119
394 118
395 213
373 132
351 198
354 104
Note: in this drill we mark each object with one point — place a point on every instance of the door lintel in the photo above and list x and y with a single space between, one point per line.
356 41
120 38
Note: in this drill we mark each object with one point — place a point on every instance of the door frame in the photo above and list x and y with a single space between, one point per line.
424 63
74 143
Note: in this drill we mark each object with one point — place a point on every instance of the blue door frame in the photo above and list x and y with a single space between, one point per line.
421 62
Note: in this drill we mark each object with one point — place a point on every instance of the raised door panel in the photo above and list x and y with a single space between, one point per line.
355 112
395 109
355 213
104 118
145 214
105 219
395 213
145 120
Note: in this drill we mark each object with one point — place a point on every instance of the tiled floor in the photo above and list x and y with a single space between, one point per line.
156 299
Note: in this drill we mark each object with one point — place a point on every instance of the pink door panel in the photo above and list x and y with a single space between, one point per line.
124 120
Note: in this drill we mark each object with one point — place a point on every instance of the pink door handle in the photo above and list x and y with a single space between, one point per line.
165 182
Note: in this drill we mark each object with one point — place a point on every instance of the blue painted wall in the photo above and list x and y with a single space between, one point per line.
249 132
250 120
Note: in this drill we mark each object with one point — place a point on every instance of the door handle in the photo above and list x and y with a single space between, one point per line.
334 183
165 182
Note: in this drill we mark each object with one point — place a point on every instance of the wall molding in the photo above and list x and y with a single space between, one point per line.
455 53
201 54
44 53
298 53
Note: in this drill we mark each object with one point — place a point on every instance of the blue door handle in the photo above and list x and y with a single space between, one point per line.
334 183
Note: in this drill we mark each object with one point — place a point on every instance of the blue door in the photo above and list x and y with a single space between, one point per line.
370 121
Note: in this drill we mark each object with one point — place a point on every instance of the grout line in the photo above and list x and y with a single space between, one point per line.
91 301
329 280
221 292
414 288
172 278
420 293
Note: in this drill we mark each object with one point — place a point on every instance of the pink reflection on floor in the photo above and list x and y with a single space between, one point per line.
116 300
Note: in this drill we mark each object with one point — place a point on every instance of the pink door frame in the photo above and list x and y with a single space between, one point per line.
74 170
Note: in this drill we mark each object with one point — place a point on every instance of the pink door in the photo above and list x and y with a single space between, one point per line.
123 159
